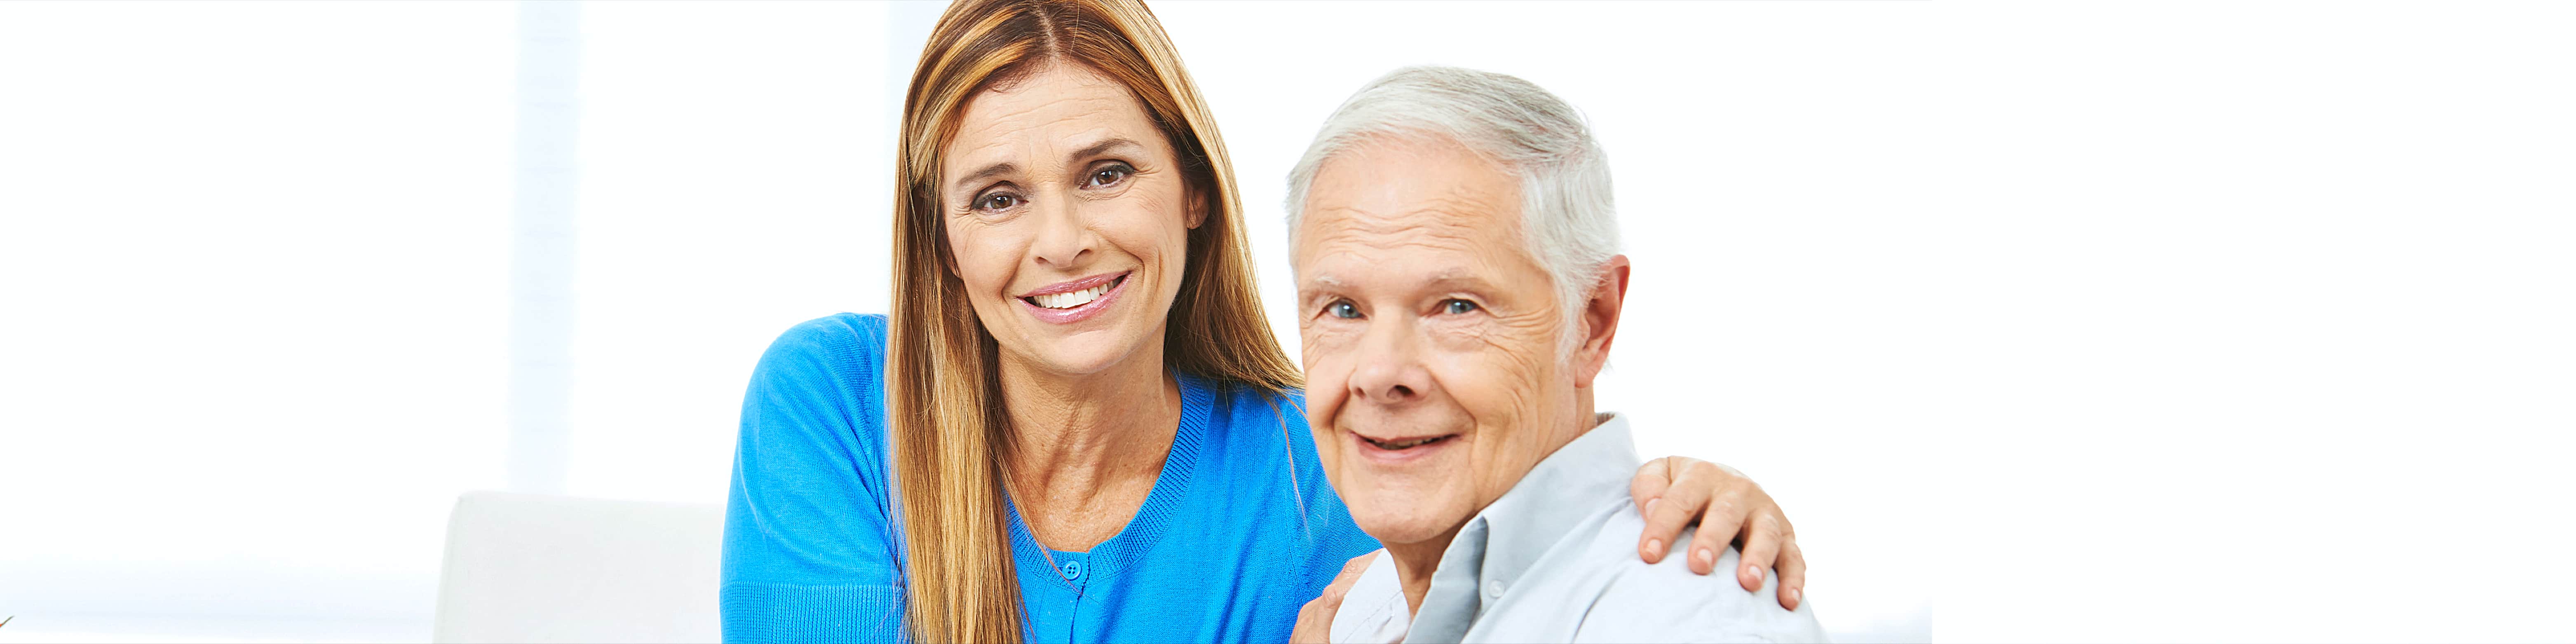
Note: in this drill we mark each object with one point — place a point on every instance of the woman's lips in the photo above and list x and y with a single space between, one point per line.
1077 300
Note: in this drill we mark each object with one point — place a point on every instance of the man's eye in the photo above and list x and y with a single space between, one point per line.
1343 309
1454 307
996 202
1109 174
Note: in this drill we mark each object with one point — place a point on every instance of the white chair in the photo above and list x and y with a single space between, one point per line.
541 568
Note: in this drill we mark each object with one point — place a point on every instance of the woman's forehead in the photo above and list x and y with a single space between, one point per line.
1056 110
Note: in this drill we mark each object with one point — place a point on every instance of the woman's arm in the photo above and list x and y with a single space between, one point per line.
809 550
1676 491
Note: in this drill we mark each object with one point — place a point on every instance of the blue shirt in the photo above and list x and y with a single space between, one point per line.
1239 532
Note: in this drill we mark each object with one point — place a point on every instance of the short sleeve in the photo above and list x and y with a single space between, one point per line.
809 546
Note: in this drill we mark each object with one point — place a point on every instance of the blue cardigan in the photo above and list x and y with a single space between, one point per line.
1240 529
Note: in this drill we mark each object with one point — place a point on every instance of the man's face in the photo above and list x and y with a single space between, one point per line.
1433 379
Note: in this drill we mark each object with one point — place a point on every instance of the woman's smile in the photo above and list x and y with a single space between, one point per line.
1076 300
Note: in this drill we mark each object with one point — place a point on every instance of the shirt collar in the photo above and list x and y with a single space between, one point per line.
1497 546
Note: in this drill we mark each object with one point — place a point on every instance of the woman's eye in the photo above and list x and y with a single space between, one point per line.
1343 309
1110 174
996 202
1455 307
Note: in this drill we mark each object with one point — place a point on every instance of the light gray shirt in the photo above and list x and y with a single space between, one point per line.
1555 560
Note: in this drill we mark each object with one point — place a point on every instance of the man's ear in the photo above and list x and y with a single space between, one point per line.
1600 321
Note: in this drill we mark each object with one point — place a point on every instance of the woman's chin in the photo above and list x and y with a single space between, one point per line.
1082 354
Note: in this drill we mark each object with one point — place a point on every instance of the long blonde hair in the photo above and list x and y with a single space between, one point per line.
943 398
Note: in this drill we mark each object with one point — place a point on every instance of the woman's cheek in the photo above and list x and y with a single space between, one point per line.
983 258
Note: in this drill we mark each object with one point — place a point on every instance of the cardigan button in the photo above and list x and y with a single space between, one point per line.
1072 570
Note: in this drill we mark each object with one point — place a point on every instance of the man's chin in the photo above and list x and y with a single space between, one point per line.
1407 525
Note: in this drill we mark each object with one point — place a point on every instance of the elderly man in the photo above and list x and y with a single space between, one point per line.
1459 284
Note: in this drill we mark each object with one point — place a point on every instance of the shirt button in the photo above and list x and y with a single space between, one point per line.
1493 589
1072 570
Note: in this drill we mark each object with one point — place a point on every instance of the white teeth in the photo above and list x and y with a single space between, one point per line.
1073 299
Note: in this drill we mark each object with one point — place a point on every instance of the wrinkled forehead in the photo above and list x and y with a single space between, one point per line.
1405 199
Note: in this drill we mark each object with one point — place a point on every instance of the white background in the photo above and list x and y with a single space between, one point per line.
2140 322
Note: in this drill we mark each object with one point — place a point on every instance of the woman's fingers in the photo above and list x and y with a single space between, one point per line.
1762 536
1314 623
1315 620
1793 572
1652 479
1351 571
1680 504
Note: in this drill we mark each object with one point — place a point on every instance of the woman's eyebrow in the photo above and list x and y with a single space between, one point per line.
989 171
1105 145
1004 168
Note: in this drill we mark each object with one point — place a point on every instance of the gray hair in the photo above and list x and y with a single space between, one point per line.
1568 222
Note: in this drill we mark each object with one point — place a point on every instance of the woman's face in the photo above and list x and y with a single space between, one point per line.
1069 217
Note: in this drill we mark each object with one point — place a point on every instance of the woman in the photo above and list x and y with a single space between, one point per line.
1076 425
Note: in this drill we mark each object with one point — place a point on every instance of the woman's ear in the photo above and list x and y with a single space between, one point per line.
1198 207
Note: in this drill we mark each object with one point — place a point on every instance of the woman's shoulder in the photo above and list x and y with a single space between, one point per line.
838 332
834 363
1233 403
842 344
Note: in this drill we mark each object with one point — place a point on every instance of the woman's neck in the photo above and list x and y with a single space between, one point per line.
1086 449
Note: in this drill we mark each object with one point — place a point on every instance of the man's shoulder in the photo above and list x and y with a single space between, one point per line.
1666 602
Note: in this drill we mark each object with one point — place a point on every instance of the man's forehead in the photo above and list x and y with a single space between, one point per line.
1449 214
1430 248
1424 204
1454 277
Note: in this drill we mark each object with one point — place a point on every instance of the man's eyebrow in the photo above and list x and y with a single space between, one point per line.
1321 280
1459 281
1443 281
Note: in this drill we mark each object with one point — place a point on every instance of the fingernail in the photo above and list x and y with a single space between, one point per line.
1753 571
1793 595
1654 547
1650 504
1705 557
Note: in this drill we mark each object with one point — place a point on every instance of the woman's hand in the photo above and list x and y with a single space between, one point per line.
1676 491
1315 621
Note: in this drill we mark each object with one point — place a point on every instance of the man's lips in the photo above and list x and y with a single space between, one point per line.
1398 444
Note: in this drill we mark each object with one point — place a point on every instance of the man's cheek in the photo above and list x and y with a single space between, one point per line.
1327 389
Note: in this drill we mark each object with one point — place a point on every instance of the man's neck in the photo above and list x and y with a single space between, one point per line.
1414 562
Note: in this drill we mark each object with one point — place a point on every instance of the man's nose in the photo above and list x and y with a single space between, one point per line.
1389 370
1062 242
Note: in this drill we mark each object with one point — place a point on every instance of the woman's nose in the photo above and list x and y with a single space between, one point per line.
1062 241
